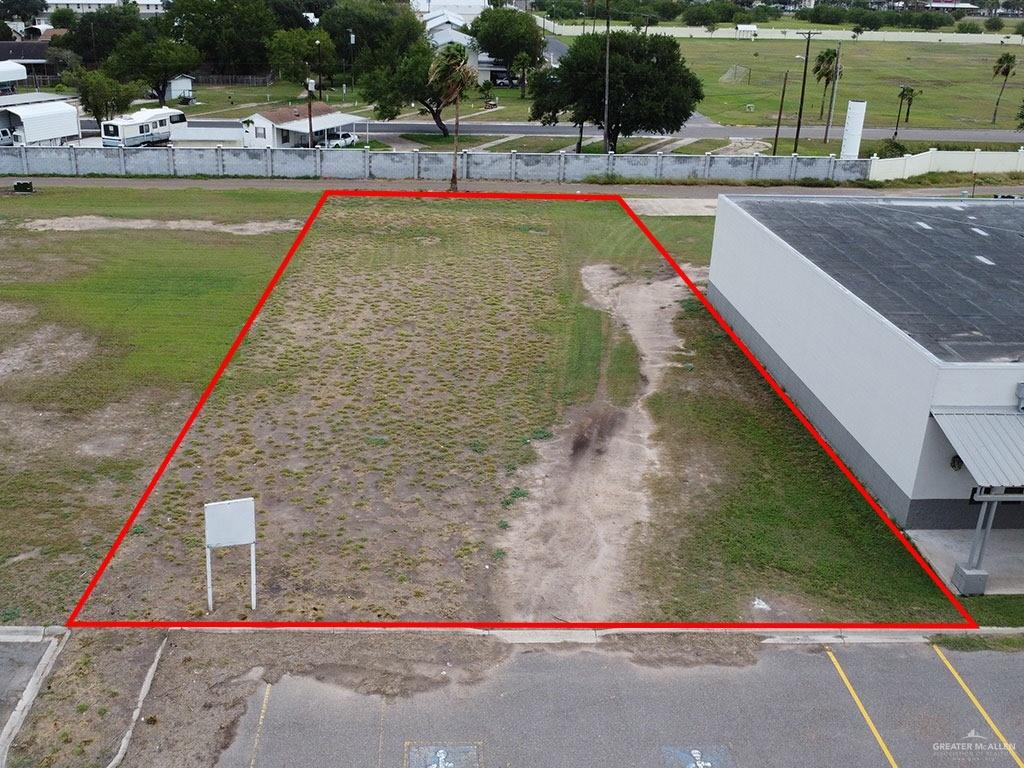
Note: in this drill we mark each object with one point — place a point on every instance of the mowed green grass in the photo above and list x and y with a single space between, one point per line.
956 80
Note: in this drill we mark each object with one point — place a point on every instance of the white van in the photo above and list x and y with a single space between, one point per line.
142 128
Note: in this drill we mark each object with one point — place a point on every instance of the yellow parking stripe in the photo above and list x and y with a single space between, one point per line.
863 711
259 727
981 709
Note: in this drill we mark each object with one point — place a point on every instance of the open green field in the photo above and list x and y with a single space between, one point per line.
536 144
957 84
388 421
437 141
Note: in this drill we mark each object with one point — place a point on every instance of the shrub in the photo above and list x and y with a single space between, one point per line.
993 24
892 148
968 28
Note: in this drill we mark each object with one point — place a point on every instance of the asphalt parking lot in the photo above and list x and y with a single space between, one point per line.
17 663
800 705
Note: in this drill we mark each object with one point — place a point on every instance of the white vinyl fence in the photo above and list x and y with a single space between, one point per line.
936 161
365 164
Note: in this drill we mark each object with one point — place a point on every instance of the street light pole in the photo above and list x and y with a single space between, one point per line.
803 88
607 67
319 72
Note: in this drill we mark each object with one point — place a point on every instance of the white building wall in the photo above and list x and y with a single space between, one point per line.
981 384
872 378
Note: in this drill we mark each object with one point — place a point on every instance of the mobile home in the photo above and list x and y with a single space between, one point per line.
147 126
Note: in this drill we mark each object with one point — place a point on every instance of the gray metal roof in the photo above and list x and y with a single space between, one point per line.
989 440
948 273
18 99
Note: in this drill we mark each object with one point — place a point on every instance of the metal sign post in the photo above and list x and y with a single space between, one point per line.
230 524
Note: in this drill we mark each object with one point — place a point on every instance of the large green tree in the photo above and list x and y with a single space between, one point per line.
22 10
506 33
96 34
294 53
231 35
154 61
380 31
405 80
101 96
650 86
63 18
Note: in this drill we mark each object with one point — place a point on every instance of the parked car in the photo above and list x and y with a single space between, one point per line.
344 140
6 137
506 82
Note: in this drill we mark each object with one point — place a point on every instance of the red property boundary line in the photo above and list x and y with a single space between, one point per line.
74 622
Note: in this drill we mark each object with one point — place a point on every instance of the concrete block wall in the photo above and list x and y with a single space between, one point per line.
496 166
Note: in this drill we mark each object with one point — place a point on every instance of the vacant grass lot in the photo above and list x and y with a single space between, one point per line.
379 411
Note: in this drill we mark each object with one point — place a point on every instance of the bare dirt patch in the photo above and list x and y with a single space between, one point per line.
88 223
206 682
660 649
587 496
47 350
15 314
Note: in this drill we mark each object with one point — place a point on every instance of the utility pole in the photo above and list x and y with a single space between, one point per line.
607 66
778 121
803 87
836 71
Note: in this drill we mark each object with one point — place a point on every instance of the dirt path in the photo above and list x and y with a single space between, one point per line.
567 547
86 223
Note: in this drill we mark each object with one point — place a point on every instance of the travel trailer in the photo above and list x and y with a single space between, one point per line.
147 126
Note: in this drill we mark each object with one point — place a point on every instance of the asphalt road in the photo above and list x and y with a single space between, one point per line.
699 127
899 705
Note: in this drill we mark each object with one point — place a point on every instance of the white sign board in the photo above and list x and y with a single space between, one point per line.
229 524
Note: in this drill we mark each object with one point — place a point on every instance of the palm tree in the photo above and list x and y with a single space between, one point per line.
521 64
908 94
451 75
825 69
1006 65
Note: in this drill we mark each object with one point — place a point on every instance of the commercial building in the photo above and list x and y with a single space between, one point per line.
897 325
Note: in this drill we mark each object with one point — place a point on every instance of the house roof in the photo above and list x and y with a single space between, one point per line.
296 117
24 50
947 273
440 18
443 35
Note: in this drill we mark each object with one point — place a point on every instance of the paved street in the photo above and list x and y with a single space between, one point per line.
699 127
585 708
